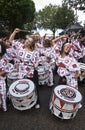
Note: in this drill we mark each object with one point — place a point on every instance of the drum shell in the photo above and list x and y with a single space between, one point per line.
62 108
24 102
12 77
43 75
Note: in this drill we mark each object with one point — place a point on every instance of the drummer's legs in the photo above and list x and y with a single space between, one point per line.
72 82
50 80
3 96
4 107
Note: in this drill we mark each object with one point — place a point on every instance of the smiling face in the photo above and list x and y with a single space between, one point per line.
65 49
28 41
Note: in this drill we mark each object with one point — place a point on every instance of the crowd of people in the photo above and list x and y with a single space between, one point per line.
64 52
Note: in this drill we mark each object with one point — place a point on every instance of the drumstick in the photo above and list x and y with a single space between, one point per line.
24 30
49 34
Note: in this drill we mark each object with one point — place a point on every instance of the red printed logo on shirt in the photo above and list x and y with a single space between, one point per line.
74 65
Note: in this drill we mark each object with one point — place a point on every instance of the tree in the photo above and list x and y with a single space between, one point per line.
77 4
45 18
64 16
15 13
54 17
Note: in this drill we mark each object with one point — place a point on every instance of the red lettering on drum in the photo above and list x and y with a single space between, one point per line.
19 100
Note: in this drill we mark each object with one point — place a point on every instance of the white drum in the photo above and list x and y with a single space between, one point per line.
82 67
11 77
23 94
65 102
43 73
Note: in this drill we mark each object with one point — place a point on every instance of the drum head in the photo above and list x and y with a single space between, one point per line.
68 94
21 88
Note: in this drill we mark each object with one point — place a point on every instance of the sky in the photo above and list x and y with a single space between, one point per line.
40 4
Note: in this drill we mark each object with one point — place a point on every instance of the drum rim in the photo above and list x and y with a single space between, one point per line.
66 100
18 94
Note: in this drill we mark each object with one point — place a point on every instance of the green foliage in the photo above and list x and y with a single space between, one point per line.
54 17
64 16
15 13
45 18
77 4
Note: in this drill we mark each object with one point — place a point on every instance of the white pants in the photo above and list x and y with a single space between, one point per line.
72 82
3 94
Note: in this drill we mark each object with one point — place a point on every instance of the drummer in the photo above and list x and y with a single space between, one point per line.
3 70
78 46
26 64
46 57
68 67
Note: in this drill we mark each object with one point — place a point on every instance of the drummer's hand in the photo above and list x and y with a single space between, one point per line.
47 56
16 66
36 64
65 36
16 30
77 74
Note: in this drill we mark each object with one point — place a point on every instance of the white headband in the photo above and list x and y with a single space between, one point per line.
67 43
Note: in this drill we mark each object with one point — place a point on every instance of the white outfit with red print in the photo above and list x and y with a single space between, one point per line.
56 51
59 44
4 65
44 53
26 67
79 49
24 59
67 67
13 50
